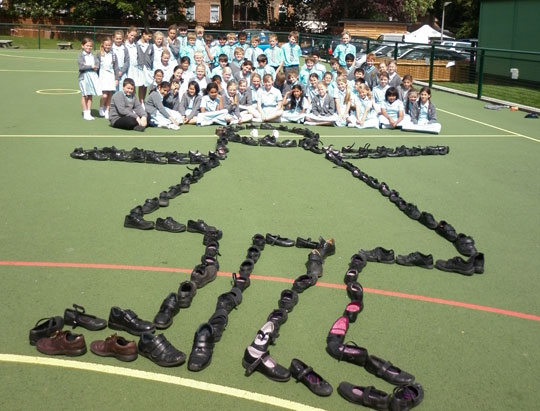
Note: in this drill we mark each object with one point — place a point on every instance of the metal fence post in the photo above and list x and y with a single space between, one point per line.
368 46
94 38
395 50
480 74
431 60
39 36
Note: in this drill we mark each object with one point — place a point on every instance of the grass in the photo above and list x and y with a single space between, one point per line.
44 43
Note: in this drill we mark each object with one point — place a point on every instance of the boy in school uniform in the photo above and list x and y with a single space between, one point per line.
291 53
236 63
223 61
254 51
370 71
318 66
334 66
307 70
292 80
229 47
217 51
126 111
190 48
182 35
199 37
344 48
242 38
274 53
350 66
199 61
263 68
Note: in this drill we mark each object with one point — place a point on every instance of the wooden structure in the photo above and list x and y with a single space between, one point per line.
371 29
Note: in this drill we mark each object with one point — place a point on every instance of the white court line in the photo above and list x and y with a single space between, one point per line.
489 125
144 135
39 71
163 378
35 58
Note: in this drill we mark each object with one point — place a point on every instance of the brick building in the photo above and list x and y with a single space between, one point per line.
209 11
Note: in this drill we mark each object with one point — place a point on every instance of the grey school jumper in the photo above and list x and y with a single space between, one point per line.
122 106
154 103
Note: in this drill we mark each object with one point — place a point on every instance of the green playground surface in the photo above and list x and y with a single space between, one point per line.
472 342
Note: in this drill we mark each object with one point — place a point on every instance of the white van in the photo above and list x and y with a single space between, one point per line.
392 37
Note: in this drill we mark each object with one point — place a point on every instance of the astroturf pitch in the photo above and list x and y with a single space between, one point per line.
472 342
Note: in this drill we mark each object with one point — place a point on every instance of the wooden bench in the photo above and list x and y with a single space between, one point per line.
65 46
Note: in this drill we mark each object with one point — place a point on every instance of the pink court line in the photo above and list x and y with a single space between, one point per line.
276 279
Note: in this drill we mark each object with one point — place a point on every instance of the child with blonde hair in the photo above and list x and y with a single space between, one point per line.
269 100
231 102
323 109
88 77
159 46
108 66
365 115
122 57
342 97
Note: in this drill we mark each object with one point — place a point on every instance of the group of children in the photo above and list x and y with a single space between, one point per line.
183 78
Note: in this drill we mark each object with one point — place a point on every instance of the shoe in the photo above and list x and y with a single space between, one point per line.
163 199
277 240
228 301
288 299
417 259
349 352
305 374
115 346
479 263
355 291
160 351
240 282
78 317
212 235
465 245
326 248
412 211
269 141
306 243
406 397
62 343
170 225
253 253
250 141
428 220
350 276
246 267
203 347
339 329
176 158
127 320
314 264
136 155
259 241
447 231
186 292
303 282
196 157
212 249
387 371
278 317
79 154
201 227
168 309
394 197
265 336
358 262
287 143
154 158
184 184
369 397
379 255
384 189
219 321
150 205
457 265
137 221
353 309
256 360
205 273
174 191
44 329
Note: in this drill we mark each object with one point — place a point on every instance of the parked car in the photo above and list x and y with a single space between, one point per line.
424 52
263 37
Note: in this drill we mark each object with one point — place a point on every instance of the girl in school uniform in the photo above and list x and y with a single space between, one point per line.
88 77
131 48
323 109
108 67
145 61
294 105
269 100
165 65
404 88
190 103
254 89
200 77
245 101
231 102
159 115
212 111
342 98
365 115
158 46
122 58
423 115
392 110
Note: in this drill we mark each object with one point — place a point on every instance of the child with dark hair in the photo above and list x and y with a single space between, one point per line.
145 63
190 103
126 110
245 71
161 116
263 67
350 66
294 105
223 61
212 111
405 87
392 110
423 114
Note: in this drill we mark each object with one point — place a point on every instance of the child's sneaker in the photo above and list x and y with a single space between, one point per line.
101 112
87 116
173 127
106 114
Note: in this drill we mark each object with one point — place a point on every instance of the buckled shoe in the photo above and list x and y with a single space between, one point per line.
406 397
305 374
314 264
465 245
169 224
369 397
202 350
303 282
446 230
44 329
168 309
127 320
150 205
160 351
387 371
229 300
273 239
78 317
134 220
219 321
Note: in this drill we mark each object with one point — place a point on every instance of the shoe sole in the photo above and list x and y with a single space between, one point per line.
246 365
119 327
163 364
74 353
125 358
463 272
170 231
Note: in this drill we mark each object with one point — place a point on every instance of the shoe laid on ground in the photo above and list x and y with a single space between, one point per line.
115 346
457 265
267 140
163 199
176 158
339 329
479 263
44 328
201 227
446 230
265 336
229 300
412 211
212 235
256 360
387 371
314 264
168 309
406 397
416 259
465 245
379 255
246 267
154 158
349 352
137 221
358 262
288 299
186 292
219 321
326 248
78 317
127 320
353 309
307 376
170 225
273 239
428 220
306 243
369 397
62 343
287 143
160 351
253 253
212 249
355 291
303 282
204 273
174 191
259 241
240 282
79 154
203 347
184 184
278 317
384 189
150 205
250 141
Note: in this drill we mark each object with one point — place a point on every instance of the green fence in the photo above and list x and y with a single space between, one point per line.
506 76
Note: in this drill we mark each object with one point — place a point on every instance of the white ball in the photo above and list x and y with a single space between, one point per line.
254 133
275 133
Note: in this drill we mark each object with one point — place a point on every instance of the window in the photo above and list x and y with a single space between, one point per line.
190 13
214 13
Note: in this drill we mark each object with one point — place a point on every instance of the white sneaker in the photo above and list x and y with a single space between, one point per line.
254 133
351 125
173 127
101 112
106 115
275 133
88 116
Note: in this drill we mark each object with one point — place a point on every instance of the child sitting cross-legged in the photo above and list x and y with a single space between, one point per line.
161 116
323 108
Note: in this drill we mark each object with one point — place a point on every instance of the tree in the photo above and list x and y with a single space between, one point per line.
227 10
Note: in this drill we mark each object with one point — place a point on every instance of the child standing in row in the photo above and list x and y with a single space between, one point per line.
108 67
145 59
344 48
88 77
122 58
